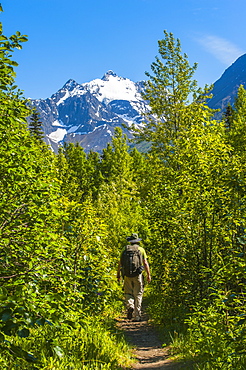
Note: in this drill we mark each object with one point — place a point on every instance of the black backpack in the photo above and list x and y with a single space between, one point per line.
131 261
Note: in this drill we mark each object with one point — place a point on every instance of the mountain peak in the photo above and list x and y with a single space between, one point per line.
108 74
70 84
87 113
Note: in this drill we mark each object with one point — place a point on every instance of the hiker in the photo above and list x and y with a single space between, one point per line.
133 261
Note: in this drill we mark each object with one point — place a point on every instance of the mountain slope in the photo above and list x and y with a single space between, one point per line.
88 113
226 87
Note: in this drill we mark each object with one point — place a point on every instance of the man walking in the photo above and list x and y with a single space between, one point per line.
133 261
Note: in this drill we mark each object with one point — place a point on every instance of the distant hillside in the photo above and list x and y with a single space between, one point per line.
226 87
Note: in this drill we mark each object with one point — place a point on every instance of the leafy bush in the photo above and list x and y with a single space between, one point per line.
213 340
87 343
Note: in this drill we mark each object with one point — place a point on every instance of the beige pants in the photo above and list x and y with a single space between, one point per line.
133 289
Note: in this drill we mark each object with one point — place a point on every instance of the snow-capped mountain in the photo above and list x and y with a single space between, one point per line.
88 113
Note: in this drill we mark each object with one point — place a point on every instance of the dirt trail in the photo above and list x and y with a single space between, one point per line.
148 348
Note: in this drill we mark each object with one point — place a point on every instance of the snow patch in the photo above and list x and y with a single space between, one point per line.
109 132
128 119
65 96
73 129
109 89
57 135
100 127
58 123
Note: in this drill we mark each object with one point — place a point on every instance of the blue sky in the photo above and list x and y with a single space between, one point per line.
83 39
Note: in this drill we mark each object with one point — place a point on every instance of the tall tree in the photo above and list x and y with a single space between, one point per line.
115 163
196 206
228 116
29 226
35 126
238 122
170 91
188 149
118 200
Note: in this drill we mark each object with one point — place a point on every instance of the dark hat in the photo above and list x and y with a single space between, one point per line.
133 238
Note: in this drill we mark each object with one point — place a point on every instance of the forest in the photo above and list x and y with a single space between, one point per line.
64 220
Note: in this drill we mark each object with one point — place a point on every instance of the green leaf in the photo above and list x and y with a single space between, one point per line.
6 315
241 321
58 351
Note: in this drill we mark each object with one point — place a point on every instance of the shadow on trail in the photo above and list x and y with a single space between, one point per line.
148 352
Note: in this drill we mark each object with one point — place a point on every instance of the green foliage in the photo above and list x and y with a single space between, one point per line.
65 218
7 46
196 208
174 74
88 344
35 126
236 132
90 278
79 174
56 268
169 91
215 339
118 199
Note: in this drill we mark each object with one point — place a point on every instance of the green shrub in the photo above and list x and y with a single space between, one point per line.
214 340
88 344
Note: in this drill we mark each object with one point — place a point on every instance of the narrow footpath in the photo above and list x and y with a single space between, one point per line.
148 349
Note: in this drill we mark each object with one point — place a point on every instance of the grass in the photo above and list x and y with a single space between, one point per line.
92 344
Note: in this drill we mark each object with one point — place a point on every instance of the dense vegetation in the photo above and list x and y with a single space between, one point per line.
64 218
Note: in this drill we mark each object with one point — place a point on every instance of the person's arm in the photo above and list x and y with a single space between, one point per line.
146 266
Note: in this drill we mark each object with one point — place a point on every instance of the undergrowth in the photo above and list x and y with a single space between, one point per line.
91 343
207 339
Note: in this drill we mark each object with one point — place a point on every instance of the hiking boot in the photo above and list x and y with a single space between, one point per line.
129 313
